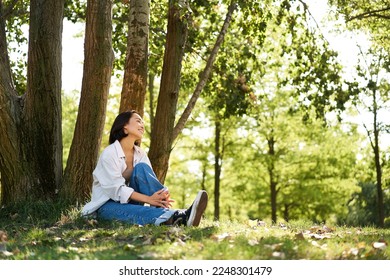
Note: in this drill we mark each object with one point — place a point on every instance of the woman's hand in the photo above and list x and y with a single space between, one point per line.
161 198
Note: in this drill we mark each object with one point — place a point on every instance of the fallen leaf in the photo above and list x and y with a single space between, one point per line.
7 253
274 247
148 241
319 236
92 222
3 236
221 237
148 255
361 245
279 255
354 251
327 229
253 242
128 247
323 246
75 249
314 229
179 242
379 245
14 216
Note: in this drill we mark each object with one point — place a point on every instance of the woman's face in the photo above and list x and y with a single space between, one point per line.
135 126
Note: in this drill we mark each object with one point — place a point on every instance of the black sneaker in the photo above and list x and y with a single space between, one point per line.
196 210
179 218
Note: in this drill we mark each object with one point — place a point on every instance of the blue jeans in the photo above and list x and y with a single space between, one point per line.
142 180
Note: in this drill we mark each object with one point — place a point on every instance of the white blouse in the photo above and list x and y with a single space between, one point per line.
108 182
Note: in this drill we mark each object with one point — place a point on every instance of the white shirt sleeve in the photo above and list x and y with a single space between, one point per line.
108 173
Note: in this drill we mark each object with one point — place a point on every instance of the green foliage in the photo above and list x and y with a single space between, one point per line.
231 82
75 11
16 14
69 116
314 72
368 16
278 67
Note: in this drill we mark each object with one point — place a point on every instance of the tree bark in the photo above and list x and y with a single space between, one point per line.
136 65
161 136
272 181
11 184
98 63
378 167
30 124
151 100
217 168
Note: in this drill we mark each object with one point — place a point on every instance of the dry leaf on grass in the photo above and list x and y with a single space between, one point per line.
279 255
221 237
3 236
379 245
253 242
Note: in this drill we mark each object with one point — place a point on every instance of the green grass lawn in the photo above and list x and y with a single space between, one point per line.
26 236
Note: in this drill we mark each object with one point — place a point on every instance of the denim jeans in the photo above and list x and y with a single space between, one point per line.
143 180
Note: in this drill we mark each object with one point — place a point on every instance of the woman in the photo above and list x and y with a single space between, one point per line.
123 182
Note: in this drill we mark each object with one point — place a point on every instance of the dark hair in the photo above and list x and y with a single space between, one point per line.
117 132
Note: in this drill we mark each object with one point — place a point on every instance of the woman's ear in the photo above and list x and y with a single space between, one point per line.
125 130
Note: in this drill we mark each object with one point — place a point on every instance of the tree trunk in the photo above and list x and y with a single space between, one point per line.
151 100
378 167
217 168
30 126
272 182
11 160
163 133
136 65
204 75
161 136
98 63
286 215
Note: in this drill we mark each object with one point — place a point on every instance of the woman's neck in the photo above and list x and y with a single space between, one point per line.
127 144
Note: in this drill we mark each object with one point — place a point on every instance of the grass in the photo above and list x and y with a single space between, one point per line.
44 231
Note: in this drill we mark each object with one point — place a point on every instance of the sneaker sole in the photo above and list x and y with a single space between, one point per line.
198 208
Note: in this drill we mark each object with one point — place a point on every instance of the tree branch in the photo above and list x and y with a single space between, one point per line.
10 9
205 73
374 13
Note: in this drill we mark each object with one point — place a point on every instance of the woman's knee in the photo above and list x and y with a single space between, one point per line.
142 166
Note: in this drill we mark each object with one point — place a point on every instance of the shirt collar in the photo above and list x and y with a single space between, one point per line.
120 152
119 149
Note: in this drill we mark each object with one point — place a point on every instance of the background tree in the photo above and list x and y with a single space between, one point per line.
164 129
32 118
373 96
98 63
136 64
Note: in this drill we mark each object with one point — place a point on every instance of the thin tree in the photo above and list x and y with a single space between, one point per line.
164 129
375 91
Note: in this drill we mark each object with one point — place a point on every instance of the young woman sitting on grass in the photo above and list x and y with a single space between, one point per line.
124 181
